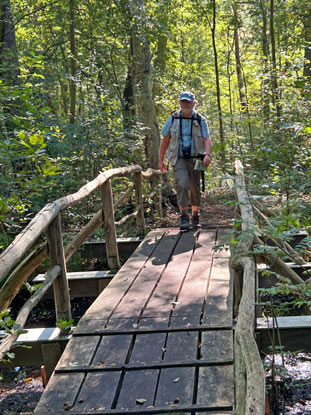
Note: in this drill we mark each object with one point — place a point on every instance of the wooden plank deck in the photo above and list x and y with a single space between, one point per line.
158 339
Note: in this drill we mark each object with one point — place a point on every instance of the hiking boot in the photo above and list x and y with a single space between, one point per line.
195 221
184 223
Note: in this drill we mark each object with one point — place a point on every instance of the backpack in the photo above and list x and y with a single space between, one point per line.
197 117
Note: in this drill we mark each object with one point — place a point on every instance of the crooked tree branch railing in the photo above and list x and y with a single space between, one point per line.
49 220
249 372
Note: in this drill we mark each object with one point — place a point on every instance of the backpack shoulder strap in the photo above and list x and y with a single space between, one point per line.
175 115
198 117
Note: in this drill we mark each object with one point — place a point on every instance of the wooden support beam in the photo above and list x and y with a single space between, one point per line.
159 204
109 226
140 220
293 333
26 309
249 372
57 257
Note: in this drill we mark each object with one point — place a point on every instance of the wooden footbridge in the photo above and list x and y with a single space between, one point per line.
159 339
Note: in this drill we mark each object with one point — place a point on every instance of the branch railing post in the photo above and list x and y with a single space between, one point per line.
109 226
57 257
159 204
140 219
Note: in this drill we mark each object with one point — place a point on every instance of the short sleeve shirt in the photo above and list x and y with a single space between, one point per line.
185 139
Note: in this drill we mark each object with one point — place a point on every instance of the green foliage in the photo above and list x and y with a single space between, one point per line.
64 325
8 325
43 156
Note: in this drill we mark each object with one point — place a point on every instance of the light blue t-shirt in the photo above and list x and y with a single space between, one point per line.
185 139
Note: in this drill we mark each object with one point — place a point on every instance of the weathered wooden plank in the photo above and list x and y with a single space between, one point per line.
148 348
215 413
122 324
176 386
142 366
154 323
218 308
90 326
191 298
217 345
51 352
134 300
171 409
166 292
82 284
112 295
216 386
187 321
140 220
293 332
112 350
138 389
223 237
98 391
220 269
60 393
97 248
57 257
81 275
109 226
79 351
181 346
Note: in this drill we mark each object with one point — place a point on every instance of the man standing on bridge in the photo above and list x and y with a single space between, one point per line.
186 141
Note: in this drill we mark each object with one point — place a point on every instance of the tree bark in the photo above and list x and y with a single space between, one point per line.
220 116
277 265
73 61
237 55
142 84
253 391
8 48
307 36
265 52
275 87
128 105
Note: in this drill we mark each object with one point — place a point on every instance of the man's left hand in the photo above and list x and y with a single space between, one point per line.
207 160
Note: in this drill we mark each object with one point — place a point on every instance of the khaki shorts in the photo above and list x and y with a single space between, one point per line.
187 180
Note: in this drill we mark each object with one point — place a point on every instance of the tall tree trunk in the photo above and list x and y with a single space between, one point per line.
275 88
237 56
73 61
265 52
221 128
240 74
307 36
8 49
128 104
142 85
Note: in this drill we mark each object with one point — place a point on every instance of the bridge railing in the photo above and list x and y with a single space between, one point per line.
249 371
48 221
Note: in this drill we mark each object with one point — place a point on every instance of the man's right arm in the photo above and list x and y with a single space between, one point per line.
163 147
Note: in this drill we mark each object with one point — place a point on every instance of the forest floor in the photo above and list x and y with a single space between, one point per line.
21 388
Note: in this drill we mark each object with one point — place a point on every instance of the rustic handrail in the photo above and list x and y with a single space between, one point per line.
41 221
249 372
35 258
49 219
24 312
